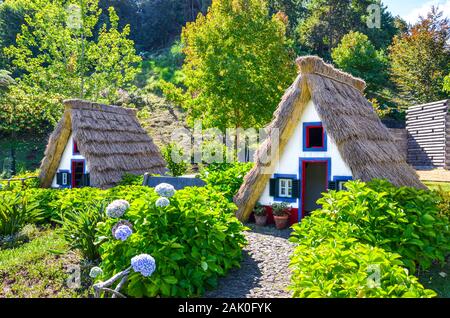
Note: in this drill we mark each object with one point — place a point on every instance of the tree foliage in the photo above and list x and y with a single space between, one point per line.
238 64
60 55
420 59
327 21
357 55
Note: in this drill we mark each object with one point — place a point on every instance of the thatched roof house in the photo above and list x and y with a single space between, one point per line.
329 133
95 144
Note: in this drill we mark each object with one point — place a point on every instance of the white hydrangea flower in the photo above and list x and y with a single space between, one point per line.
165 190
162 202
117 208
95 272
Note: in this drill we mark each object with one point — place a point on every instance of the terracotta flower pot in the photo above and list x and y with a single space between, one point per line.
281 222
261 220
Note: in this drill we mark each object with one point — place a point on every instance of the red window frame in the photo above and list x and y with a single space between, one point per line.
75 148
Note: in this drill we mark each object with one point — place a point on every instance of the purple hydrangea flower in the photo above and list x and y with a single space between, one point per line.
162 202
165 190
144 264
122 232
117 208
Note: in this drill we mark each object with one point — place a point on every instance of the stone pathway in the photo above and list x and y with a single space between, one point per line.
264 271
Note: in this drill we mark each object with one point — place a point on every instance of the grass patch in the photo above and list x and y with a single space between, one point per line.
41 268
436 185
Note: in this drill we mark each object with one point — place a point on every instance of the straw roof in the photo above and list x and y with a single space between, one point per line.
109 137
364 143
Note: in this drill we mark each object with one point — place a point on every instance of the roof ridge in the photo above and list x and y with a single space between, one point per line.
315 65
94 106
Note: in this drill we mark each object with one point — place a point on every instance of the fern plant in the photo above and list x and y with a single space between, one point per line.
16 211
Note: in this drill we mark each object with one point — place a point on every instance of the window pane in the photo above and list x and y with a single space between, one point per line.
315 135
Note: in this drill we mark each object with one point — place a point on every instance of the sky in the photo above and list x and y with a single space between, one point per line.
410 10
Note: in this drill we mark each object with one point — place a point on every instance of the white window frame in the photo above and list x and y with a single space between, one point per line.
64 178
340 185
285 188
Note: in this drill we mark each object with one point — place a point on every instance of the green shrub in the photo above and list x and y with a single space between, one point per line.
76 200
47 200
403 220
194 240
444 204
176 167
376 217
129 193
31 183
131 179
79 228
16 211
344 268
226 178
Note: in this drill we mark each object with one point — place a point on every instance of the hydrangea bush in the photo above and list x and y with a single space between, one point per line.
95 272
194 240
144 264
117 208
165 190
162 202
122 232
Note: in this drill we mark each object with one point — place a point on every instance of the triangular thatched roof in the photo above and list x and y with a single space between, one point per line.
109 137
364 142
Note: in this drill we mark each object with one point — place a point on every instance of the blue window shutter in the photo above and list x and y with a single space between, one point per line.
59 178
295 189
332 185
273 188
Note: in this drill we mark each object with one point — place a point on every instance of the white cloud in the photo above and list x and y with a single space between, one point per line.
413 16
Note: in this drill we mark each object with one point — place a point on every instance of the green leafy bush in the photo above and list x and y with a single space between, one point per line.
16 211
131 179
176 167
79 228
47 200
226 178
31 181
404 221
194 240
343 268
444 204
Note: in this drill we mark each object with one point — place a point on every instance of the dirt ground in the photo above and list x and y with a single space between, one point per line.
439 175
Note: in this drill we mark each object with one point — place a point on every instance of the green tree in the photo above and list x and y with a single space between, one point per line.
358 56
420 59
327 21
5 81
238 64
12 16
59 55
294 9
58 51
447 84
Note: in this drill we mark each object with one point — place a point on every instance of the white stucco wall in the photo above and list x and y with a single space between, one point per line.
66 159
289 160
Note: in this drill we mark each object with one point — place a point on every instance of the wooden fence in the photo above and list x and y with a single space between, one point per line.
428 130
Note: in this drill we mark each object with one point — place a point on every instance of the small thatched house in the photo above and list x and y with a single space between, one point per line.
95 145
329 134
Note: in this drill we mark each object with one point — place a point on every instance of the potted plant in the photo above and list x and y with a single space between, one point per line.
281 212
260 214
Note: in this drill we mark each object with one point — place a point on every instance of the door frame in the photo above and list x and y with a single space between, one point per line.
302 174
73 172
